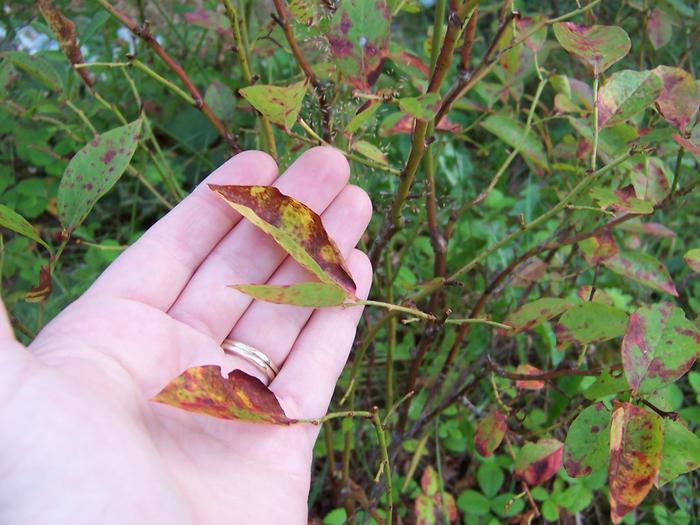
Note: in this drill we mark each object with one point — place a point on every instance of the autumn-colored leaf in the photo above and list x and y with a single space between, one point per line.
599 296
535 463
679 98
423 107
42 290
636 441
651 180
359 39
643 269
599 46
659 28
660 345
648 228
598 248
64 29
210 20
399 123
681 452
490 431
622 200
625 94
204 390
429 506
590 323
281 104
689 145
93 171
692 259
12 220
537 39
512 132
312 294
294 226
587 445
536 312
578 96
529 384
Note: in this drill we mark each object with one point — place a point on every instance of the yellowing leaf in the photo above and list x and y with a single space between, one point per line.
535 463
692 259
490 431
12 220
315 295
370 151
281 104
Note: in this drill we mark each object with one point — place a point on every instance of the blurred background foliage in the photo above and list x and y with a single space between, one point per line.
47 112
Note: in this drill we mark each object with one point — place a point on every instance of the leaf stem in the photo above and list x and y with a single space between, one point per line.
396 308
478 321
336 415
381 436
677 171
594 153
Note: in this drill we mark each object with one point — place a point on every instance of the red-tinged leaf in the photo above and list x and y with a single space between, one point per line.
590 323
643 269
625 94
636 441
281 104
210 20
649 228
531 271
536 40
527 384
424 507
64 29
599 46
423 107
651 180
359 39
587 445
407 62
599 296
598 248
204 390
659 28
313 295
679 99
294 226
489 434
93 171
398 123
622 200
535 313
660 346
693 147
576 92
429 481
369 150
538 462
692 259
681 452
42 290
430 508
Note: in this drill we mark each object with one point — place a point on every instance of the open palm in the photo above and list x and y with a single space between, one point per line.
80 442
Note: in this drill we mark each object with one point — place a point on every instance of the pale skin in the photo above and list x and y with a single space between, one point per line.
81 443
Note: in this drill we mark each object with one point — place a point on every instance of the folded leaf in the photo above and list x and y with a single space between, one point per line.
599 46
529 384
587 445
660 345
538 462
644 269
202 389
636 441
93 171
281 104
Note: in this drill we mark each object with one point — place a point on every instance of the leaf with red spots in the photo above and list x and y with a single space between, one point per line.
281 104
643 269
636 441
13 221
625 94
535 313
598 248
490 431
689 145
429 507
399 123
681 453
651 180
202 389
599 296
299 231
587 445
659 28
93 171
359 39
538 462
679 98
590 323
622 200
529 384
660 345
64 29
692 259
41 291
423 107
599 46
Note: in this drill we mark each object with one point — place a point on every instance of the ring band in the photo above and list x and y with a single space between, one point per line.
252 355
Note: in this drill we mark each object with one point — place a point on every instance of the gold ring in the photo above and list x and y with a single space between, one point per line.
253 356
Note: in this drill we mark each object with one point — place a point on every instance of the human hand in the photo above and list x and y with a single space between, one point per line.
79 440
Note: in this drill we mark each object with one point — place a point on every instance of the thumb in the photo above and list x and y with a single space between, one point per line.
12 353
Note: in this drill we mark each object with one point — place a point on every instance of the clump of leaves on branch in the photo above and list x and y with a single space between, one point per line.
527 351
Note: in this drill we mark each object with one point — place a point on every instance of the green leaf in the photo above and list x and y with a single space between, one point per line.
359 40
370 151
625 94
490 478
511 132
36 67
590 323
315 295
363 116
609 382
93 171
622 200
336 517
220 99
660 345
535 463
12 220
535 313
679 99
473 503
692 259
599 46
644 269
424 107
681 451
587 445
636 441
281 104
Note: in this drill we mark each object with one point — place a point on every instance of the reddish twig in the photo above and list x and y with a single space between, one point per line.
143 32
465 59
